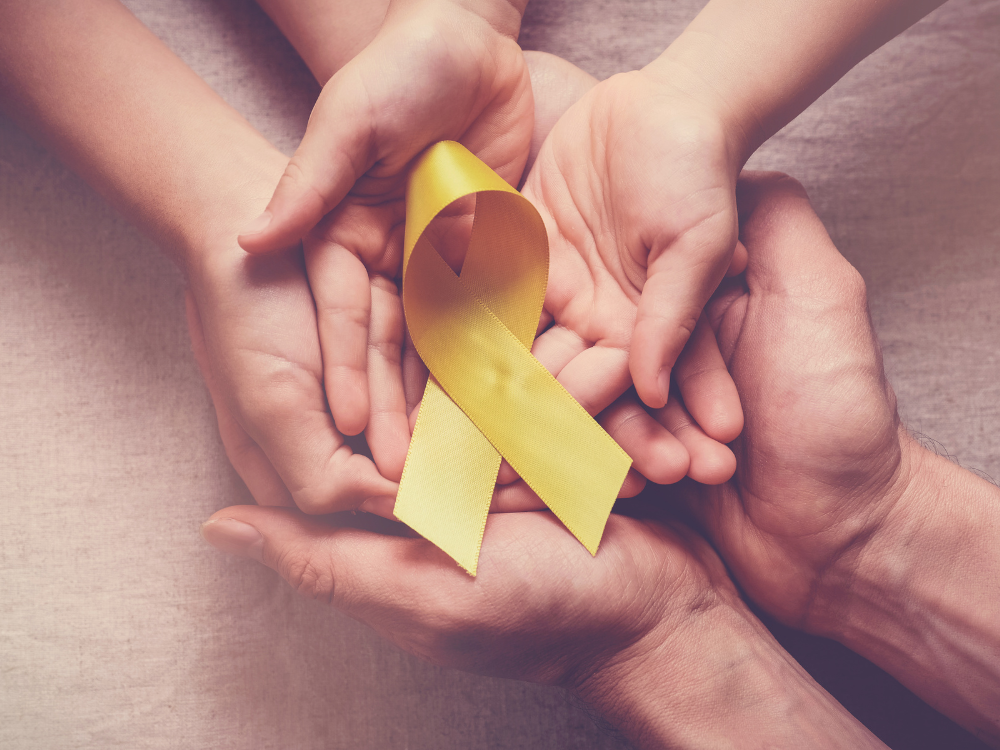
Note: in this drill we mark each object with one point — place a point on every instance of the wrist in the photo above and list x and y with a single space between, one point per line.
676 78
717 680
920 598
504 16
235 190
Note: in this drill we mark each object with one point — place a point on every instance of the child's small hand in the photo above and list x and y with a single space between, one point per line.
636 185
438 69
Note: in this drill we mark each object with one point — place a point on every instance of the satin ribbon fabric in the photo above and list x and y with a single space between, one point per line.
487 396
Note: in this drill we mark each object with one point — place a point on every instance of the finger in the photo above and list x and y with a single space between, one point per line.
266 357
506 473
656 454
290 422
516 497
340 286
414 376
336 150
680 279
706 386
380 506
388 429
739 262
557 347
634 484
594 375
354 570
243 453
711 461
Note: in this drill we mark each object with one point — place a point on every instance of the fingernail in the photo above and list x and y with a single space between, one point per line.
380 506
234 537
664 382
258 225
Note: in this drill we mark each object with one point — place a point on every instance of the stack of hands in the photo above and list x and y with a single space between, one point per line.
703 316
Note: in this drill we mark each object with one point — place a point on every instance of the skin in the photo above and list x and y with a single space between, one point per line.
638 249
835 521
350 169
355 236
466 80
189 170
623 635
172 156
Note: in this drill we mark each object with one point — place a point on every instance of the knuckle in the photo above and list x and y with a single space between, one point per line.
298 179
389 351
333 485
309 577
853 284
336 311
275 394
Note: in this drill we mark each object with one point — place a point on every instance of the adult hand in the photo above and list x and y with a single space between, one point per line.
253 332
650 632
837 522
822 459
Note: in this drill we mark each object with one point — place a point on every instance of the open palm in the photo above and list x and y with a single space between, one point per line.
636 192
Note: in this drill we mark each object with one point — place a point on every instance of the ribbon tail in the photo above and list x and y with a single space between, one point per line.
445 506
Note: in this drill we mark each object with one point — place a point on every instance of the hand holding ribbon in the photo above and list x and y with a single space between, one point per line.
474 331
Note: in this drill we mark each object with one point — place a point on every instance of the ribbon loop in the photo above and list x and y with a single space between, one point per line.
489 397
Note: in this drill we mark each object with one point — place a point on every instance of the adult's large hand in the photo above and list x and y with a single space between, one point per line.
651 632
837 521
254 335
821 460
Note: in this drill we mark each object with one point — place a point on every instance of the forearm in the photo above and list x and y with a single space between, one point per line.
327 35
723 683
102 92
762 62
922 600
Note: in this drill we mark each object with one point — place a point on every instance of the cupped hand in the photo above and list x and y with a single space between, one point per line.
253 332
822 457
540 608
436 70
636 185
675 443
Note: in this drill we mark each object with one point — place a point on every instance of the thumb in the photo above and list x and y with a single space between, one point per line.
788 247
336 150
346 567
680 279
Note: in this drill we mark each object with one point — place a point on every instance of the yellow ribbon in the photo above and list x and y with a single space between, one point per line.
488 396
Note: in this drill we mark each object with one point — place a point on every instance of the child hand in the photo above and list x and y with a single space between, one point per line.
437 69
636 185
